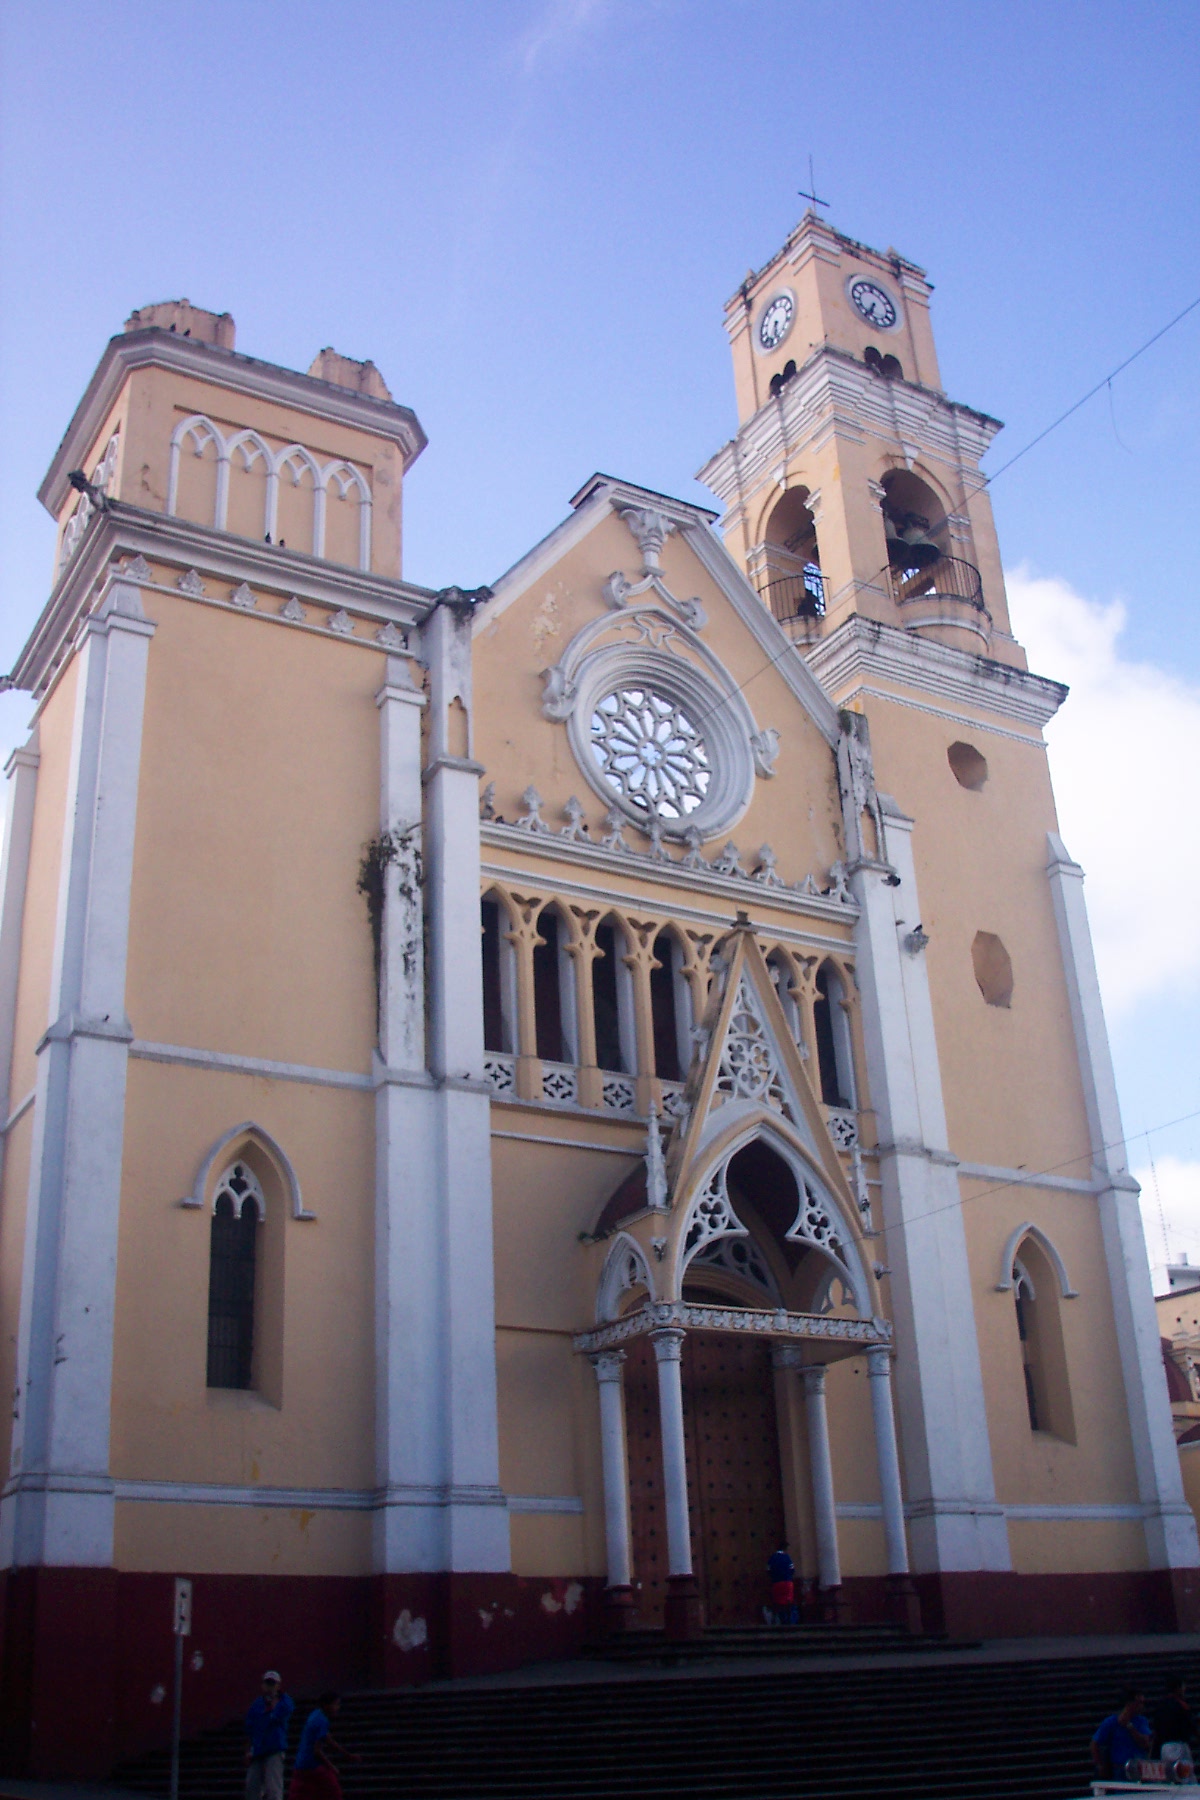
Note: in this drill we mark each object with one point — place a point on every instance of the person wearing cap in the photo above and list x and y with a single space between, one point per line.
266 1728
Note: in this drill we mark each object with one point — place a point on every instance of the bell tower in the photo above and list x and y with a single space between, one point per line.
853 483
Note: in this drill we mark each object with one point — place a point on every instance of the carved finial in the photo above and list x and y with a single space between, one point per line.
650 529
656 1168
487 801
341 622
293 612
654 831
765 872
693 840
136 569
191 584
532 801
391 637
574 830
242 595
730 861
614 838
839 888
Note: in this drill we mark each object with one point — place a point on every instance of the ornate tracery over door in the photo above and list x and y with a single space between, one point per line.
734 1488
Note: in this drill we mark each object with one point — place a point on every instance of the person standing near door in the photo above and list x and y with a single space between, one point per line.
266 1728
782 1572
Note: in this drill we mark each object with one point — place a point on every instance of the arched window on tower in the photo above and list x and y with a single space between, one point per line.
795 587
831 1028
670 1009
919 547
237 1211
554 990
499 979
1036 1293
612 1001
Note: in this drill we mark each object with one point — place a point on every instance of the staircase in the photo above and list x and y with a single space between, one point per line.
956 1727
742 1642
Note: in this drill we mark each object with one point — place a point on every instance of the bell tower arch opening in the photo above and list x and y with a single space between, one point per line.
794 587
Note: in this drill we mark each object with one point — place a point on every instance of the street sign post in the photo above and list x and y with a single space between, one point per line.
181 1626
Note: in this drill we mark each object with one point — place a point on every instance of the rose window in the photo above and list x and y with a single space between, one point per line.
650 751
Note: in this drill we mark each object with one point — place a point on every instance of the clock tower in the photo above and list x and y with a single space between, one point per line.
853 485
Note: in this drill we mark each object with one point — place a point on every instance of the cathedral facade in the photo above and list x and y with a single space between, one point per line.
519 1101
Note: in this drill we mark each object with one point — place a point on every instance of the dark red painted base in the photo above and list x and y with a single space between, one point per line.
87 1660
683 1609
86 1663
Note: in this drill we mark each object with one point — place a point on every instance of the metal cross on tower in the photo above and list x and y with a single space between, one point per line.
810 193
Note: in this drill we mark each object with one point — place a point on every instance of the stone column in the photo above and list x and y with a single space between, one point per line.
829 1569
1169 1525
902 1595
476 1513
59 1504
684 1615
619 1593
409 1427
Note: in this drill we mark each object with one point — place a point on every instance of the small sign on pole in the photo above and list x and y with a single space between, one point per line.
183 1607
181 1627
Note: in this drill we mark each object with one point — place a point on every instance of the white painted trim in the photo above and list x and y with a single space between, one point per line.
249 1065
22 772
18 1111
855 1509
545 1503
248 1128
941 712
200 1493
1008 1255
220 556
152 347
861 648
563 1143
731 888
1027 1178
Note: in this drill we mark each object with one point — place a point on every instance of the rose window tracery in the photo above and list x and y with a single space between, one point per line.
650 752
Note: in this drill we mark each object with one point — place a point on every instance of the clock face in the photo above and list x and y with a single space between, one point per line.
776 321
874 303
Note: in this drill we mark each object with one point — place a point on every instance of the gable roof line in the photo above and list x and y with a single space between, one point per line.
784 656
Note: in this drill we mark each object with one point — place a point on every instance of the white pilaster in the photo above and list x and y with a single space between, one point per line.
829 1567
955 1522
410 1430
1170 1526
607 1364
668 1348
477 1518
21 770
879 1379
58 1505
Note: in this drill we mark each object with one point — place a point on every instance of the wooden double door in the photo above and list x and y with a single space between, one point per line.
735 1496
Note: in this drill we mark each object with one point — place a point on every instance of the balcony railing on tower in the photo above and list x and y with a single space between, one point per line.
797 596
948 578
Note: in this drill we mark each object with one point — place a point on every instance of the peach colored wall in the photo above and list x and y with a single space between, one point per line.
260 789
241 1540
167 1425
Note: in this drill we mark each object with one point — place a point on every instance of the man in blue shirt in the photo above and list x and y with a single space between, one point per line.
1123 1737
266 1727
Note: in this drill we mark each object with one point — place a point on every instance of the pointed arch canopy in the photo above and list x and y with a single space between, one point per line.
248 1131
625 1268
1048 1249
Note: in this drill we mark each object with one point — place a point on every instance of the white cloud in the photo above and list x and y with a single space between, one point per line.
1170 1198
1124 751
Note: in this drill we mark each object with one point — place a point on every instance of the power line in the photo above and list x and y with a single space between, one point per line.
1063 417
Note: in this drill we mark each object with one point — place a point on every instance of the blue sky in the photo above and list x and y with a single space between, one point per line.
530 215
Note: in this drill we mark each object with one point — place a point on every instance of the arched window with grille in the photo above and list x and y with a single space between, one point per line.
238 1209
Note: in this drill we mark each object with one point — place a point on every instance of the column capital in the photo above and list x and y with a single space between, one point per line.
607 1364
813 1377
668 1342
879 1361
